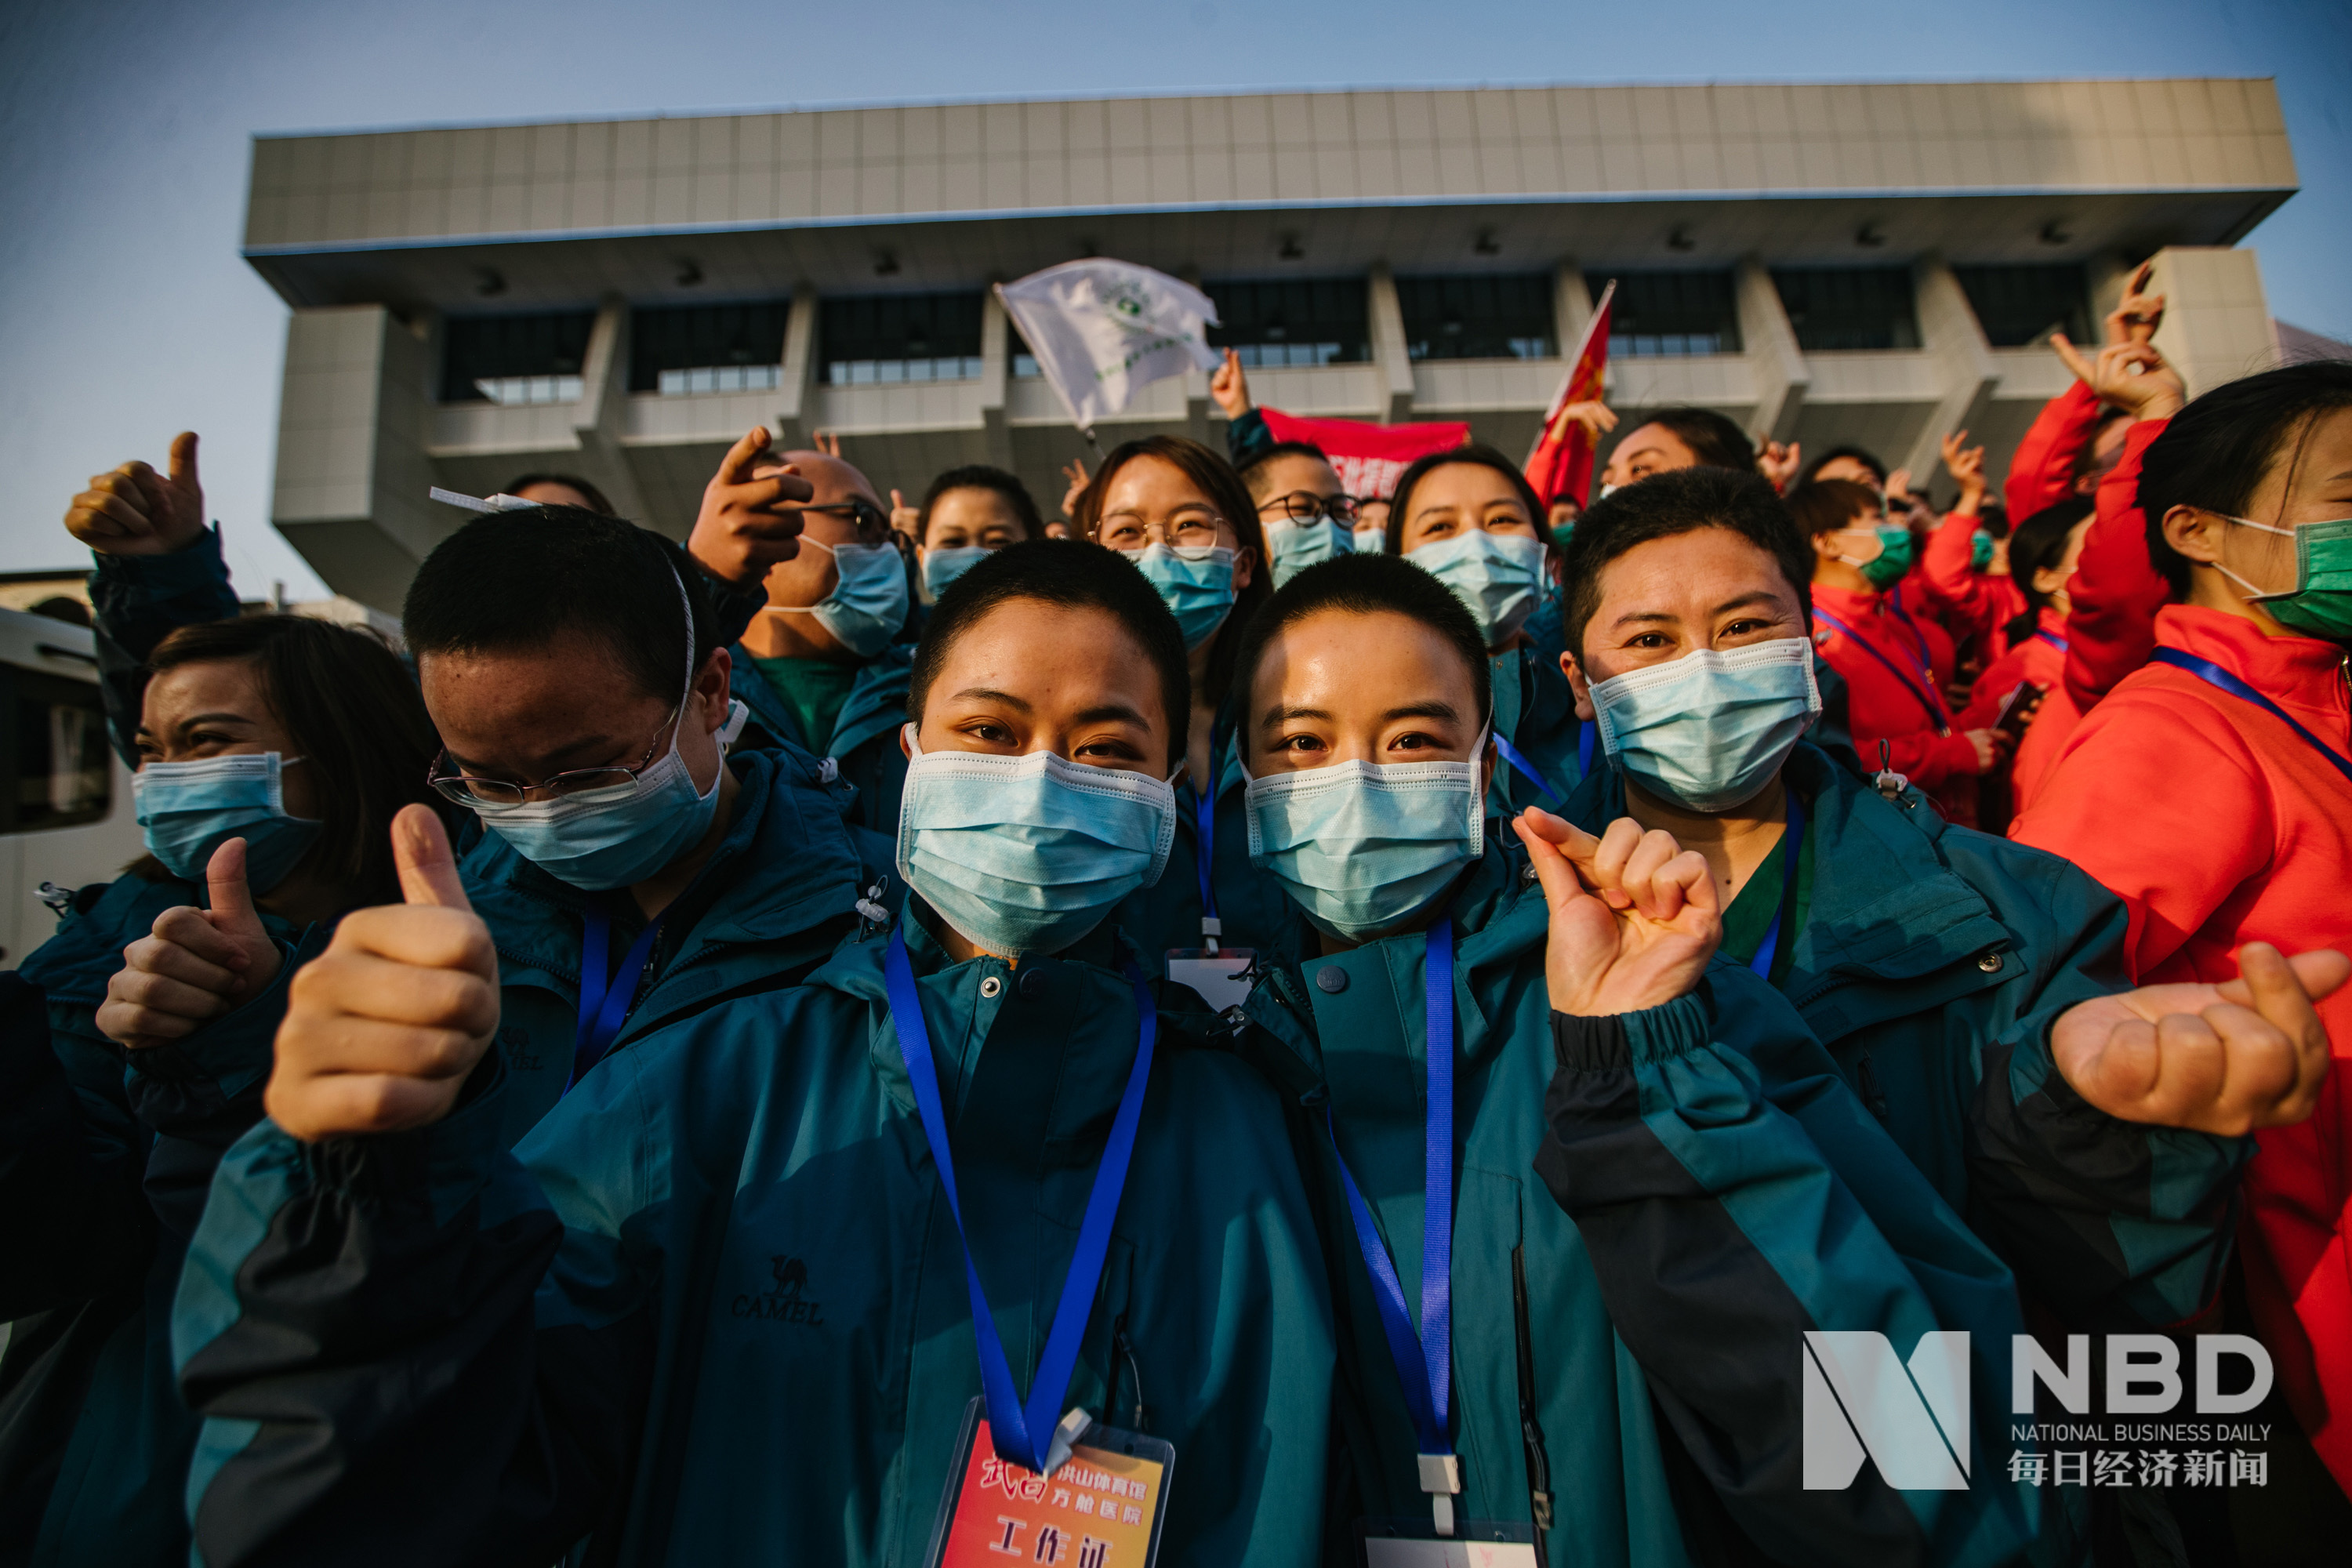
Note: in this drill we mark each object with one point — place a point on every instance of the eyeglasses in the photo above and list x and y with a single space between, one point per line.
1132 530
864 515
469 791
1304 506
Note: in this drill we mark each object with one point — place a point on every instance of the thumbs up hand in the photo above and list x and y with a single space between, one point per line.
194 965
134 510
383 1028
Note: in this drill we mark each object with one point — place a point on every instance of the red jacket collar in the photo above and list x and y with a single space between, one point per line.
2307 672
1846 604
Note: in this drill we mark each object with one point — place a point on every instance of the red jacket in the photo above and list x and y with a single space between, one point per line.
2218 826
1907 709
2041 471
2116 591
1976 604
2040 658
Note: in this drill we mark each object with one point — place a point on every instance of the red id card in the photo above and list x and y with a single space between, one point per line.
1102 1509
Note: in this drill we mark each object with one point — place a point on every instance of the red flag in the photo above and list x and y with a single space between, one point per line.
1560 466
1368 456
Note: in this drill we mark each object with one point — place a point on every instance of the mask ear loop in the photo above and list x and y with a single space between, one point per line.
2253 595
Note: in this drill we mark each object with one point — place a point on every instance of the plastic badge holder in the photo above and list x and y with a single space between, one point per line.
1215 974
1415 1543
1104 1508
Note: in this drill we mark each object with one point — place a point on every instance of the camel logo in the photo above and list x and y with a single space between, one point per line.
789 1301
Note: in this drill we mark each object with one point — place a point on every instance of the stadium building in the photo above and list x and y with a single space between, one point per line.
624 297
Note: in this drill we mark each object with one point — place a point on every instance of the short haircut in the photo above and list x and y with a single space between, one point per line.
595 497
1713 439
514 581
1213 478
982 477
1824 506
1365 584
353 714
2217 451
2038 542
1428 463
1853 454
1050 571
1664 506
1253 471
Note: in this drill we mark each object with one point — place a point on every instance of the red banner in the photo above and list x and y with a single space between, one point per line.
1560 466
1370 456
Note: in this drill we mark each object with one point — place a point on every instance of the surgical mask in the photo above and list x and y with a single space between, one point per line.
1196 582
622 833
1709 730
1295 546
1362 848
187 810
944 563
1608 489
1979 551
1892 561
2320 603
1496 574
1370 541
868 601
1028 854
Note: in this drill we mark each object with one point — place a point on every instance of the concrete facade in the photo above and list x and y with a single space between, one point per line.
378 240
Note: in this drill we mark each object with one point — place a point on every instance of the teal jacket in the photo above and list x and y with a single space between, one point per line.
1689 1190
1534 710
1932 962
713 1309
863 745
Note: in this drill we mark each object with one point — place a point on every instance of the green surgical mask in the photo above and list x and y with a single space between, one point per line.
2320 603
1892 561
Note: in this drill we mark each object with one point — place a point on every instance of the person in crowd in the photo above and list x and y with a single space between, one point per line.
2078 437
822 664
559 490
1303 507
967 513
1963 564
1469 518
272 753
1372 523
2230 755
981 1115
1183 517
2043 553
1699 1175
1678 437
1894 665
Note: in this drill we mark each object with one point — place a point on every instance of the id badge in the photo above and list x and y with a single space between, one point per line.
1215 975
1415 1543
1103 1509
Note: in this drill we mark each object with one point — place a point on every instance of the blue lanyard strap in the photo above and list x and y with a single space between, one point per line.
1528 770
1584 743
604 997
1024 1433
1792 845
2054 639
1424 1362
2212 674
1205 851
1933 704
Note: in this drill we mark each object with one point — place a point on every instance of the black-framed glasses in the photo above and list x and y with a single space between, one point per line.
864 515
471 791
1305 506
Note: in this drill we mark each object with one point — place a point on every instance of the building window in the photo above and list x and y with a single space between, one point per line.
1479 317
515 359
1669 314
1300 322
707 348
887 340
59 758
2021 305
1837 309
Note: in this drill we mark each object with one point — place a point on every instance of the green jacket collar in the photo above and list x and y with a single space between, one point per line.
875 706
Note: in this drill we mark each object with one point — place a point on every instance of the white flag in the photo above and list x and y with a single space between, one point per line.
1102 331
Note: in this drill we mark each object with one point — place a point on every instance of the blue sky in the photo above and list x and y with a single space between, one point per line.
126 313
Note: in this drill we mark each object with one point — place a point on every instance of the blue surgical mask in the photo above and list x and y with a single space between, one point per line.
1362 848
622 833
1028 854
868 601
1709 730
1295 546
187 810
942 564
1496 574
1370 541
1196 582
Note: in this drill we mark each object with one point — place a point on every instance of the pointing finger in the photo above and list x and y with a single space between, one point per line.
736 466
184 460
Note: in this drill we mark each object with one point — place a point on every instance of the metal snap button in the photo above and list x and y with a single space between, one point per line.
1990 963
1331 978
991 986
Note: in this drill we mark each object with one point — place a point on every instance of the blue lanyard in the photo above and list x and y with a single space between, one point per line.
605 1002
1584 743
2212 674
1792 845
1934 705
1424 1362
1025 1433
2053 639
1528 770
1205 851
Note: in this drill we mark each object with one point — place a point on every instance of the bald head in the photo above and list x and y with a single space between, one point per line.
834 480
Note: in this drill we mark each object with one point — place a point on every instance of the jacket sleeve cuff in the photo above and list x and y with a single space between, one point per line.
448 1162
235 1050
1626 1040
193 568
